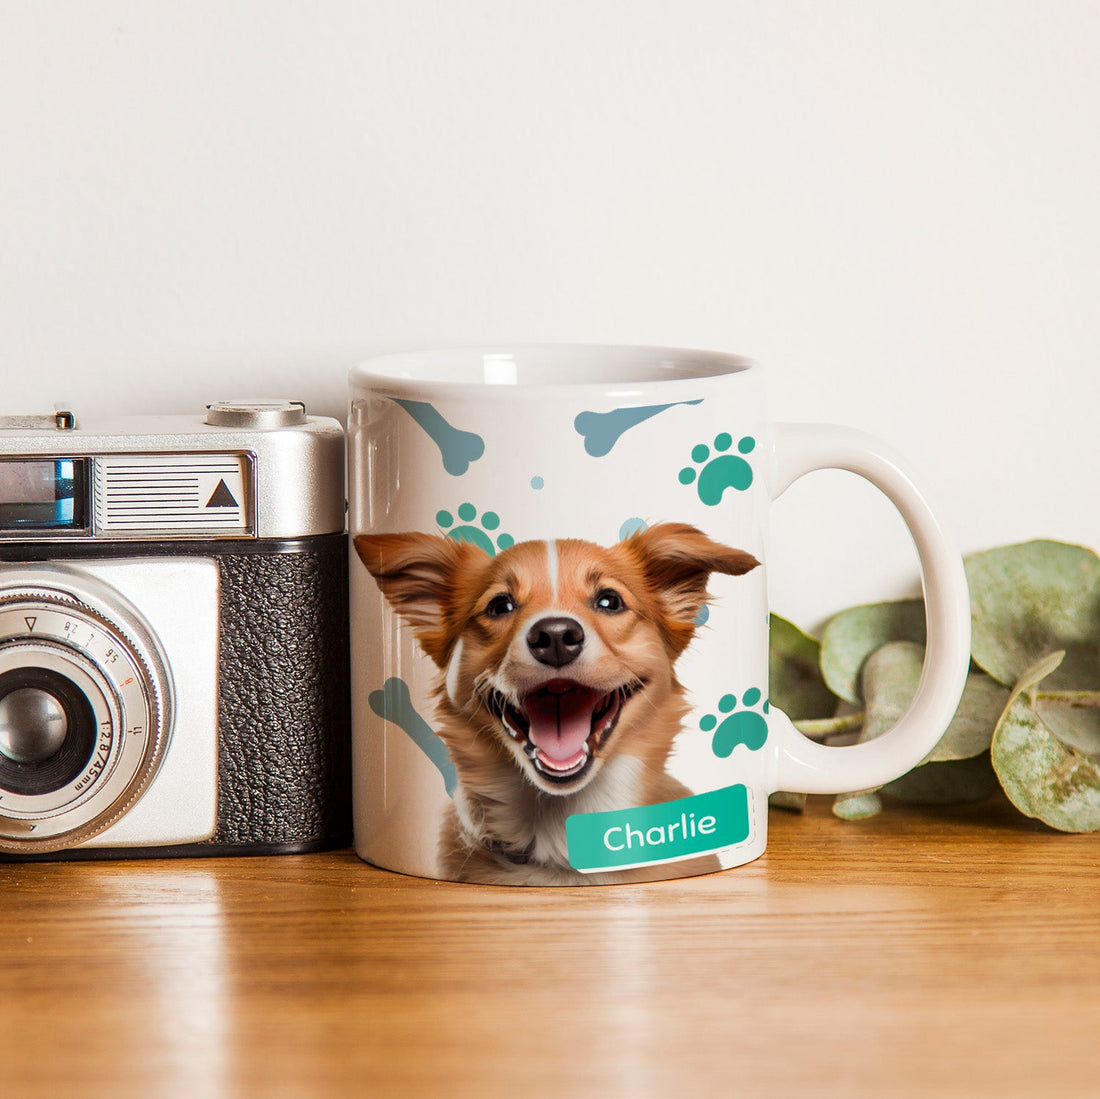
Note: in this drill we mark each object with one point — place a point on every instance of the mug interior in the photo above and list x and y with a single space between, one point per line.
552 364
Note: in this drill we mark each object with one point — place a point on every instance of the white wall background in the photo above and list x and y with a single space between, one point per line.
893 205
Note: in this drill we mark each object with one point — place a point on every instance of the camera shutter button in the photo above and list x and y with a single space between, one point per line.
255 414
33 725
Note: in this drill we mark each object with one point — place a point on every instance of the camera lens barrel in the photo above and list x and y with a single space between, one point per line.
84 700
47 726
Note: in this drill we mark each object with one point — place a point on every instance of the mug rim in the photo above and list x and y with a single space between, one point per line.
493 369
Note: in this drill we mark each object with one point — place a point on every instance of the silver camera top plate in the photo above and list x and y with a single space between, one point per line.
253 468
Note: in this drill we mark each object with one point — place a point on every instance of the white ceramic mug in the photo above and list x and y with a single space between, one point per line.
560 619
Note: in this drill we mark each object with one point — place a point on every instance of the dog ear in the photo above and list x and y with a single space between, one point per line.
418 574
677 560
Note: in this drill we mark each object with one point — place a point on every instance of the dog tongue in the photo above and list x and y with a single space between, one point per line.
561 720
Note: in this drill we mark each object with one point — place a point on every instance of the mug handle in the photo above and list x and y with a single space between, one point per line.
803 766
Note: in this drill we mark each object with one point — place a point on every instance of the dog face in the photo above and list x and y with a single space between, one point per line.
557 654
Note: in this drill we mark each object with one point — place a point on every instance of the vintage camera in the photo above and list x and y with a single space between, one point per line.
173 634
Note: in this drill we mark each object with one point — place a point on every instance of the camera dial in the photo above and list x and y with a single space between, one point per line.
85 703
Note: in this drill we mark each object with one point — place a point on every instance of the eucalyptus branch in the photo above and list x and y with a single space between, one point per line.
1044 756
822 728
1079 700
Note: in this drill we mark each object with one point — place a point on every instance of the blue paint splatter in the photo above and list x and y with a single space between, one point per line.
632 526
458 448
394 703
537 483
602 430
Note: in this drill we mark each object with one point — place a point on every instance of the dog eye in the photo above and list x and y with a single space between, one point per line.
609 601
500 606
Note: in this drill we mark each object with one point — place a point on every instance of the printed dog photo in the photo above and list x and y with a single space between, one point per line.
556 691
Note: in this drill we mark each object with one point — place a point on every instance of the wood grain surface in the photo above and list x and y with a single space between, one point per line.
919 953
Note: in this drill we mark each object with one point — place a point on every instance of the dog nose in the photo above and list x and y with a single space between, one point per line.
556 641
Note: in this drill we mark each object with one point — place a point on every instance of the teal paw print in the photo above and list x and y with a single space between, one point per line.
721 471
480 535
742 726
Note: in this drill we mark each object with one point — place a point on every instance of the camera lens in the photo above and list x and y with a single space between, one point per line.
32 725
47 731
84 707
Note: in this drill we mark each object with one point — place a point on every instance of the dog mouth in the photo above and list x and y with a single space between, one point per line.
562 725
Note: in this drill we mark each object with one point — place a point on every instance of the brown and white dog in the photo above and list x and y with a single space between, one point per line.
556 693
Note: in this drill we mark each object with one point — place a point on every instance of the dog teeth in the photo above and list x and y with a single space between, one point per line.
547 768
511 721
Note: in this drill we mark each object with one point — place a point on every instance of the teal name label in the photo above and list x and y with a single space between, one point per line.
648 834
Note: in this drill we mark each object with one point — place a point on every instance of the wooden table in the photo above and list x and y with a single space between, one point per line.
921 953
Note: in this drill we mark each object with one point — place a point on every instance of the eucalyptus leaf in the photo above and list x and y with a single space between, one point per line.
794 673
1074 725
953 782
1043 777
854 634
1037 672
1072 716
889 682
858 806
1030 600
